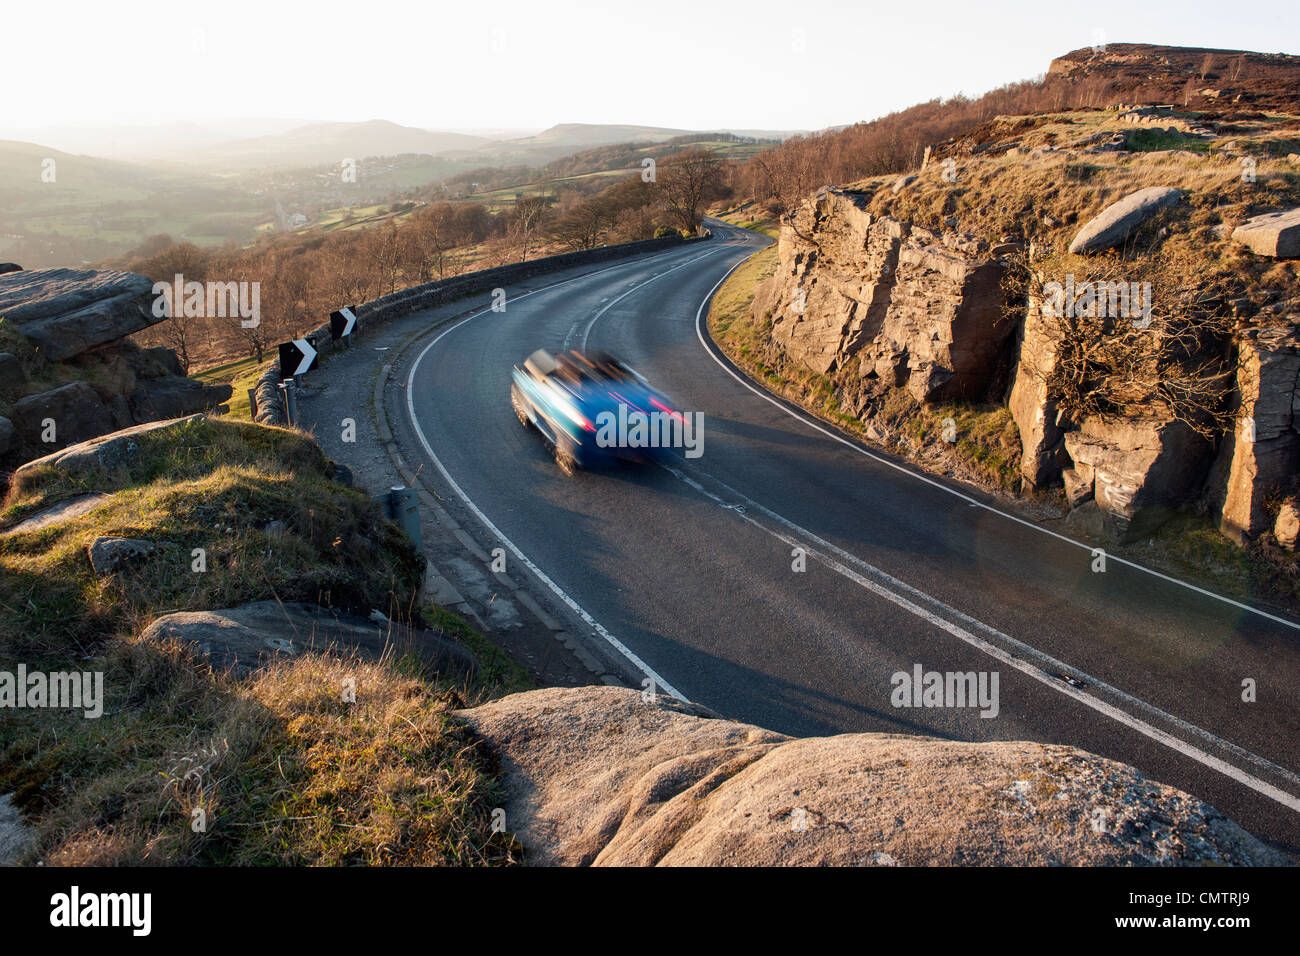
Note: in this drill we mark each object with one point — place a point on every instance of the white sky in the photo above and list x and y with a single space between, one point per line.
696 64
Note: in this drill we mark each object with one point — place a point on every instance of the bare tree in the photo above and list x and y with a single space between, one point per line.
687 182
526 219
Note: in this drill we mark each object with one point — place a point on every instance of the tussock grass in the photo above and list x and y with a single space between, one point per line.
285 770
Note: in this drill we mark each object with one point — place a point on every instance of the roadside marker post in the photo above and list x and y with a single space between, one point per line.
298 357
343 323
402 507
290 388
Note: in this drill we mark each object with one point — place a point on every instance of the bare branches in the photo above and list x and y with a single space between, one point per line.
687 182
1116 337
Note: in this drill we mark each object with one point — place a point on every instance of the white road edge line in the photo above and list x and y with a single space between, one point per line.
1020 647
573 605
586 333
1160 736
973 502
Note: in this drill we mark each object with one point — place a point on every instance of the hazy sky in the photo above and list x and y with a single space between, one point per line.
498 63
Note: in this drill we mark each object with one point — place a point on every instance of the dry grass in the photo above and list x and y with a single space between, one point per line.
241 376
1046 198
286 771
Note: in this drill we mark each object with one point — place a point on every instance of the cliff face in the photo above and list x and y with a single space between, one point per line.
895 305
888 311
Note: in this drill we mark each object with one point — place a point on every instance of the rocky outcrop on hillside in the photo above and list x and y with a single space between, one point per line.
78 376
906 307
65 312
877 304
603 776
243 639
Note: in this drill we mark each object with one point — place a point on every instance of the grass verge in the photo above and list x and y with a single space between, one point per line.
188 766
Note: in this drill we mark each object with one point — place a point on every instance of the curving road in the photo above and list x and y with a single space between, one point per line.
688 570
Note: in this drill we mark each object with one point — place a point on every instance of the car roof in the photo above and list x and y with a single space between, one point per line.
541 363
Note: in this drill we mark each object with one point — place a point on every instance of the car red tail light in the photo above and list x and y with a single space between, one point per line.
664 408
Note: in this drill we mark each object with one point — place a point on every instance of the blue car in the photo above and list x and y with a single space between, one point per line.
595 410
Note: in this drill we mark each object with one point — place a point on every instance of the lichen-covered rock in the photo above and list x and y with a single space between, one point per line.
246 638
598 775
104 451
1275 234
58 513
67 311
109 553
1118 221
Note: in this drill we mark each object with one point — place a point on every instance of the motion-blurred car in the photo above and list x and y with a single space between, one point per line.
594 410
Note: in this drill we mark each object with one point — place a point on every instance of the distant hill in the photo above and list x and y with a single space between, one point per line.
567 138
148 143
91 207
322 144
596 134
1171 74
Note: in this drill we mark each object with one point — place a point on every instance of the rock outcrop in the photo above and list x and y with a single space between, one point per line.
104 451
1139 470
243 639
1275 234
597 775
911 308
874 303
72 323
1042 432
68 311
69 413
1118 221
1262 457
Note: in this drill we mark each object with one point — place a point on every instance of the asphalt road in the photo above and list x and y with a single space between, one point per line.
691 567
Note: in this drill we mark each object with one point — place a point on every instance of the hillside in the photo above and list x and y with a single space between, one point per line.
331 143
1215 84
57 208
910 309
1208 78
256 751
